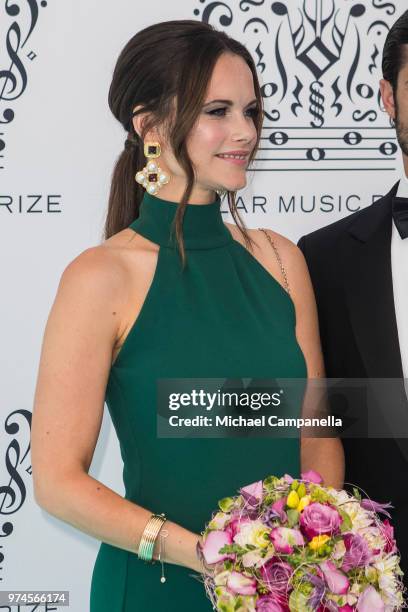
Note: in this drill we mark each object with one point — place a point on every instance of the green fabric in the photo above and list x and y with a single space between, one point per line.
223 316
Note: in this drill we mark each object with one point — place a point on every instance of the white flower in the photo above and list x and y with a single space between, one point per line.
356 588
253 533
351 600
341 497
387 579
339 550
228 601
221 578
248 604
371 573
253 558
390 563
373 537
360 518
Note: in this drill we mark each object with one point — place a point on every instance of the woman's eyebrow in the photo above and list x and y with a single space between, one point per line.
227 102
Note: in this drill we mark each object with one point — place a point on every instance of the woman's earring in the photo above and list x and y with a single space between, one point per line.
151 177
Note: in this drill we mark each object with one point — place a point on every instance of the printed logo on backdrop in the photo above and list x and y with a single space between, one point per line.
319 63
19 20
16 468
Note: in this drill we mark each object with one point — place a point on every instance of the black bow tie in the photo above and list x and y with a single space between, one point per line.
400 215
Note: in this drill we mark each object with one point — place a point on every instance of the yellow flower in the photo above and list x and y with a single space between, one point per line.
304 501
293 500
318 542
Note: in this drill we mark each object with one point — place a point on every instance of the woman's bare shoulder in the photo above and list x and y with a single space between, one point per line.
103 271
114 255
284 245
291 256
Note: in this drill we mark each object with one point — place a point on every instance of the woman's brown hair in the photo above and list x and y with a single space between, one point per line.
164 70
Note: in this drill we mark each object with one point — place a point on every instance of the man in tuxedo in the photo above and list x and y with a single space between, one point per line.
359 270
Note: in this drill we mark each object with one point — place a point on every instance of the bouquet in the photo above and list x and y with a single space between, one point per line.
286 545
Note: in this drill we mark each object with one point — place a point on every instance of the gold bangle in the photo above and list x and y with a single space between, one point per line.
149 535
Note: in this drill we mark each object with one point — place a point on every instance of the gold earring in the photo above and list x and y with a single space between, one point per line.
152 178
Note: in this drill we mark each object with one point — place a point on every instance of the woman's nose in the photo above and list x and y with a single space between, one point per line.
243 128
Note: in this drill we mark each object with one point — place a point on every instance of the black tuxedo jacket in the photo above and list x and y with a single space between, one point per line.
350 267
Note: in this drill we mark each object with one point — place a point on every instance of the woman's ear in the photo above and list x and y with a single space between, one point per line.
139 121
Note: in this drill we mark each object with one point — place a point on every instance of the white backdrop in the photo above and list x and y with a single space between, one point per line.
58 144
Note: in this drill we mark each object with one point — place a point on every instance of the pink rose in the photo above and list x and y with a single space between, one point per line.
370 601
312 476
346 608
276 574
320 519
235 525
336 581
358 553
240 584
284 539
213 542
266 603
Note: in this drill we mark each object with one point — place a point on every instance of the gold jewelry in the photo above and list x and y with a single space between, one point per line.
149 535
152 178
163 534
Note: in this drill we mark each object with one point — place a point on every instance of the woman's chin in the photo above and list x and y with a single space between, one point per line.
235 186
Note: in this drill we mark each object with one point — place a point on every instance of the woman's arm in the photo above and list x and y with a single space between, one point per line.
325 455
82 328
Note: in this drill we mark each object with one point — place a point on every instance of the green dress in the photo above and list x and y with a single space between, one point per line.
223 316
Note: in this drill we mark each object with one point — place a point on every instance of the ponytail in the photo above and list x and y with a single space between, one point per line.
125 193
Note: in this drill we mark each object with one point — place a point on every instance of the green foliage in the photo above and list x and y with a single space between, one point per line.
347 523
269 499
356 493
318 494
293 517
270 483
301 491
233 548
298 602
226 504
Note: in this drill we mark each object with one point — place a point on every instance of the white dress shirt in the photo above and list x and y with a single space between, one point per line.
399 265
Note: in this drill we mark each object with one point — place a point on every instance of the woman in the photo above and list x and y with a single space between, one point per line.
148 304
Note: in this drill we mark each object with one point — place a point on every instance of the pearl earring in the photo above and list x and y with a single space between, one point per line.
151 177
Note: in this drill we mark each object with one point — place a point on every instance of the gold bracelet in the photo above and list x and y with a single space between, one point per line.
149 535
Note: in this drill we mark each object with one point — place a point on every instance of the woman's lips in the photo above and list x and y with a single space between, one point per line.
239 162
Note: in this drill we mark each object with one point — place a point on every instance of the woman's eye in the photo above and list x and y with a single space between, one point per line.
216 111
253 112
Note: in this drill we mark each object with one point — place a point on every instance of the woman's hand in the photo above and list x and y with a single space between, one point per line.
202 566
